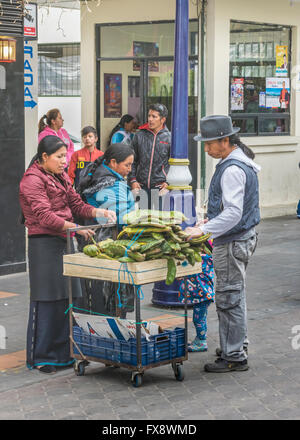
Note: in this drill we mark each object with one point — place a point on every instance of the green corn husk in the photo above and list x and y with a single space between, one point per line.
91 250
171 275
153 244
180 256
105 256
137 256
126 260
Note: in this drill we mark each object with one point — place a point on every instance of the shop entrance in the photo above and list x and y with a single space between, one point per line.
135 68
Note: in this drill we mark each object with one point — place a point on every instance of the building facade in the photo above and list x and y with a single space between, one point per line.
12 240
243 61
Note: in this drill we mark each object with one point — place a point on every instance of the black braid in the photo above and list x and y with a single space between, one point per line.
235 140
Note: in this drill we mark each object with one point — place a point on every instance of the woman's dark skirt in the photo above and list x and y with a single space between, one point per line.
48 334
48 325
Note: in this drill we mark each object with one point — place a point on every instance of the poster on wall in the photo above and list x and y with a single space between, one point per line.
30 21
281 60
237 94
277 93
262 99
112 95
145 49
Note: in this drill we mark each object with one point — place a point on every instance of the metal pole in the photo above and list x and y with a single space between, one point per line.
202 85
138 329
185 319
69 283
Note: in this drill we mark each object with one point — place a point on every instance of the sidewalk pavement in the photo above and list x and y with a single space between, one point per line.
270 389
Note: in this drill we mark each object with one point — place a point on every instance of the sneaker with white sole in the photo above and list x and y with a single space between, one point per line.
197 345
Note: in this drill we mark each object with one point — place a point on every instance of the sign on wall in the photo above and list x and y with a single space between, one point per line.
237 94
29 79
30 21
112 95
281 61
277 93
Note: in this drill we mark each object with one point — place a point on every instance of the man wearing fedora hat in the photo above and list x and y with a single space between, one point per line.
233 213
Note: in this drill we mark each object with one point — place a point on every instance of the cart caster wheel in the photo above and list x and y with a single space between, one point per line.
136 380
79 368
178 372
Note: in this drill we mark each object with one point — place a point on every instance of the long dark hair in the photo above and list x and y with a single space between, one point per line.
51 114
235 140
119 152
121 124
49 145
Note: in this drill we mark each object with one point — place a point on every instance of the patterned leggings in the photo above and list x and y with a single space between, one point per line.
200 319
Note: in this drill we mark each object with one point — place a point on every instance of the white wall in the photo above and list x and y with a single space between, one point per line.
30 113
58 25
69 108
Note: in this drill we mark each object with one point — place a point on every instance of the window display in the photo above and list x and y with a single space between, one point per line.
260 78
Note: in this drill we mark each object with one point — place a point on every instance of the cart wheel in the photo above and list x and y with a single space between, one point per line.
79 368
136 380
178 372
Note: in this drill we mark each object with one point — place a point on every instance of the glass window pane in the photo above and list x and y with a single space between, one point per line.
153 39
260 69
59 69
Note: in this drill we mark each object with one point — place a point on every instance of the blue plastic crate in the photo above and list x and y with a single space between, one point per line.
165 346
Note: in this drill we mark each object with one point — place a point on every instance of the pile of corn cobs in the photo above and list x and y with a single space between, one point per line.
151 235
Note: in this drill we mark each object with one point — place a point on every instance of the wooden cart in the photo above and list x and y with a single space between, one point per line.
82 266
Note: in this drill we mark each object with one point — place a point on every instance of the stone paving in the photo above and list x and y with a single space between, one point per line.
270 389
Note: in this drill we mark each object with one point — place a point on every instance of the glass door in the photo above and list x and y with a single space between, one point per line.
120 94
130 86
160 89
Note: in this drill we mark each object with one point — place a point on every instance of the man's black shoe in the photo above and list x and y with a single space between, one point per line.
219 351
223 366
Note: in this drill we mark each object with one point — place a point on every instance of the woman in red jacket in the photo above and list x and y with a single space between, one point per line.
48 203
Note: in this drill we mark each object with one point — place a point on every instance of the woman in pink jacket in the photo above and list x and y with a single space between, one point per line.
49 204
53 126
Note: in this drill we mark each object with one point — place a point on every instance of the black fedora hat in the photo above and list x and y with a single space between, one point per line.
215 127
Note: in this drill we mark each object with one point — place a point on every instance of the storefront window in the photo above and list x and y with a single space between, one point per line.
260 66
140 40
59 69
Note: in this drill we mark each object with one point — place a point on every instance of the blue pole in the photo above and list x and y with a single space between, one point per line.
180 196
179 145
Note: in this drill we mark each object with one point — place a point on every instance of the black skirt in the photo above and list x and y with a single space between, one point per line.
48 329
47 282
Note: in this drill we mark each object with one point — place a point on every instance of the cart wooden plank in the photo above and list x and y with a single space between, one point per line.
82 266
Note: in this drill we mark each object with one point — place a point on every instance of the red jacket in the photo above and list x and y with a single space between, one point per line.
80 159
47 202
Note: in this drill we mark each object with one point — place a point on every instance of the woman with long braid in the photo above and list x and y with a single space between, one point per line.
103 185
122 133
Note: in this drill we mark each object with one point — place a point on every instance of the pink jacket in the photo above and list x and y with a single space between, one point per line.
63 135
47 202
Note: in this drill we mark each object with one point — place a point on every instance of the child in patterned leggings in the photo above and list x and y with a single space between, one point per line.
200 292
